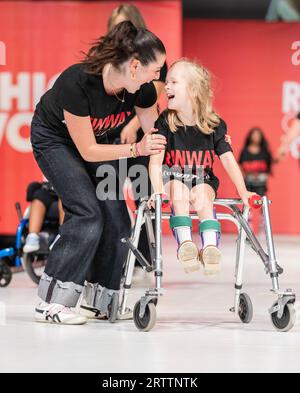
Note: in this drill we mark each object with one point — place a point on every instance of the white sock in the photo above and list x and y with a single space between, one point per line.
183 234
209 238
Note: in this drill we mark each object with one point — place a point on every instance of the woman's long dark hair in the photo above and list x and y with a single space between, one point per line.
120 44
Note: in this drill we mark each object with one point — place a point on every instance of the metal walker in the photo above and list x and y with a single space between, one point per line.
282 312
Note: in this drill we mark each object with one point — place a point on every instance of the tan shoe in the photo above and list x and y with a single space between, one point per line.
188 255
210 256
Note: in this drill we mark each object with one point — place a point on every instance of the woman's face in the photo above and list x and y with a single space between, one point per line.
177 89
256 137
137 74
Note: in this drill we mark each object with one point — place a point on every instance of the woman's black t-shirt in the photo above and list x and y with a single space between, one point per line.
83 94
256 168
255 163
190 154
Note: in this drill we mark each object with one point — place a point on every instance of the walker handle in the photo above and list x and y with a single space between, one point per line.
255 202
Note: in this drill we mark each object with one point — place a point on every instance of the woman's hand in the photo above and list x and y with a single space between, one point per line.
151 143
245 196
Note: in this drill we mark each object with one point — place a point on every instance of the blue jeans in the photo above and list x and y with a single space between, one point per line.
89 246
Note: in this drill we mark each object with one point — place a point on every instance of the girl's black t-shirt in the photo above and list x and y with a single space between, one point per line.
192 152
83 94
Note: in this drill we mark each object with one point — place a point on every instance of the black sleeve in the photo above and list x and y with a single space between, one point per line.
220 144
162 126
298 116
163 73
146 96
73 98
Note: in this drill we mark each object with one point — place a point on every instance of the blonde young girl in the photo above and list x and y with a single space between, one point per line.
195 133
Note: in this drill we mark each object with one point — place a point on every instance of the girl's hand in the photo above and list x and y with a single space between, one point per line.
165 200
152 143
245 196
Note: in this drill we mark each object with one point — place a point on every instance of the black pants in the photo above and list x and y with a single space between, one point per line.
89 247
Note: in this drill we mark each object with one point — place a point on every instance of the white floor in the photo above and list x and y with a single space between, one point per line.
194 332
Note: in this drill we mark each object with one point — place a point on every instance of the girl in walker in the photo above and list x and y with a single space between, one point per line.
184 170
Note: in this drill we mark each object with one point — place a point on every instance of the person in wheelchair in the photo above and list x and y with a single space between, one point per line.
44 203
195 133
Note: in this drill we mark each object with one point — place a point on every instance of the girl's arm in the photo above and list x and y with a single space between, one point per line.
155 173
82 134
234 172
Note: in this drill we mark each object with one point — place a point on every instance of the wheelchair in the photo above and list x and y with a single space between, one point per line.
282 311
33 263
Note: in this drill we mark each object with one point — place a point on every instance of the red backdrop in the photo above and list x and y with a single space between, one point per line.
257 82
41 40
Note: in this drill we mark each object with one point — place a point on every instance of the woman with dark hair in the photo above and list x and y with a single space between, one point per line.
132 132
256 161
69 135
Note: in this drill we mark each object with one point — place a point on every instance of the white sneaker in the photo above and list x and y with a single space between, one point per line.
57 313
32 243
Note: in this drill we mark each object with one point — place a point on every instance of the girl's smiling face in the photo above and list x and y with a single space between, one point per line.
177 88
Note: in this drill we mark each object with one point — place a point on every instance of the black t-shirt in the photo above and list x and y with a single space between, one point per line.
83 94
255 163
190 150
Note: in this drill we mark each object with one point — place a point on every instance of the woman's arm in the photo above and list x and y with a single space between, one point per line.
234 172
82 134
288 138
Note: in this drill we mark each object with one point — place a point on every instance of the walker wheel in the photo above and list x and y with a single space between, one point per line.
288 319
245 308
5 274
147 322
